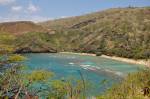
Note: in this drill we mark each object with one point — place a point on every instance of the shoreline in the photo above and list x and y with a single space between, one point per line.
127 60
85 54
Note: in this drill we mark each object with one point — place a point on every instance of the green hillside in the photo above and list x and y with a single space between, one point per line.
122 32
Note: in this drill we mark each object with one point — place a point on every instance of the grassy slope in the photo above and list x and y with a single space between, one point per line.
34 42
122 32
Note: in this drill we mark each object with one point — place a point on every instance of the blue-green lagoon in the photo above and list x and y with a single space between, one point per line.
94 69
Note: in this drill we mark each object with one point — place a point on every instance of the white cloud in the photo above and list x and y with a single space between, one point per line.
6 1
16 8
32 8
24 13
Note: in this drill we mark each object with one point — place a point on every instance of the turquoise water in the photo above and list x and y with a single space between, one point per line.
94 69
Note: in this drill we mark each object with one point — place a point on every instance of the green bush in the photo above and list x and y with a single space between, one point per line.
134 86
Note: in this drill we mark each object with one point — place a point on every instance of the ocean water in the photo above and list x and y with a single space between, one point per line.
94 69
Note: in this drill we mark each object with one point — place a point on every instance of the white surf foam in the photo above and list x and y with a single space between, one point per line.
71 63
96 68
119 73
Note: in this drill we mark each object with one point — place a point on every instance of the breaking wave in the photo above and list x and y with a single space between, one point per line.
99 69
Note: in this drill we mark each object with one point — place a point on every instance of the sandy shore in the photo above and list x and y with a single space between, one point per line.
78 53
132 61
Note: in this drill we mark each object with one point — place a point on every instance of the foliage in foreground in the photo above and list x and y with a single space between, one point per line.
135 86
17 86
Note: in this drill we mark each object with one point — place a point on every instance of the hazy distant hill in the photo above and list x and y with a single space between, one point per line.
20 27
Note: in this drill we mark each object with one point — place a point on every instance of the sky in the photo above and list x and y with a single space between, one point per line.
42 10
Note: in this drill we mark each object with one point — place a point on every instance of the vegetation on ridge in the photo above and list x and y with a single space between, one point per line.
122 32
